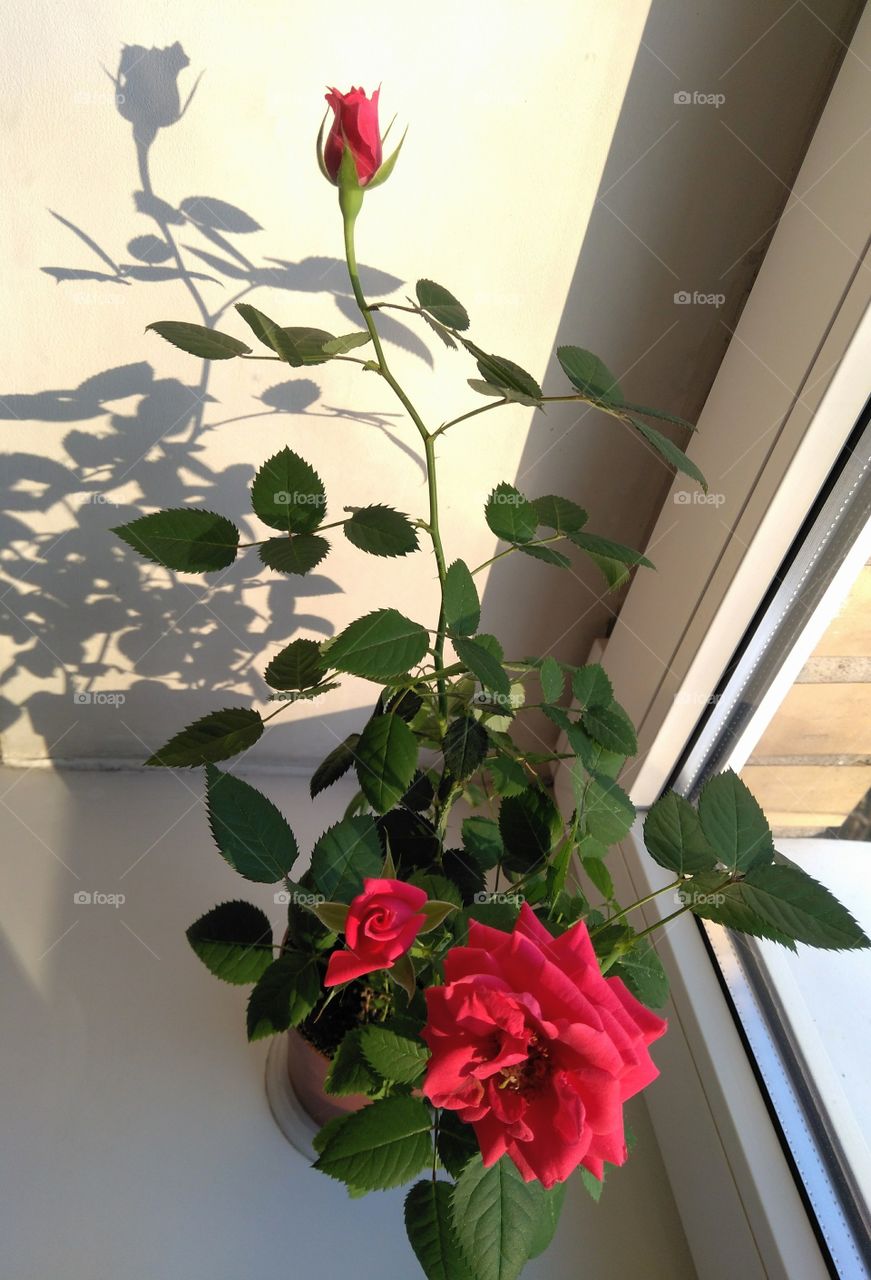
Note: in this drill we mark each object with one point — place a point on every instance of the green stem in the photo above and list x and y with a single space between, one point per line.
640 903
429 449
658 924
473 413
538 542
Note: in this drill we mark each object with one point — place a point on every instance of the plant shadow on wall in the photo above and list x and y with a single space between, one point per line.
80 612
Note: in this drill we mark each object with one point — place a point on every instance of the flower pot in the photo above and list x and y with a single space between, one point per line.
295 1072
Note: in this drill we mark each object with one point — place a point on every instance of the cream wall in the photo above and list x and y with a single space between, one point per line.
486 198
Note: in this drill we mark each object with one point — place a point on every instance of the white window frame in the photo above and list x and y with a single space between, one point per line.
793 384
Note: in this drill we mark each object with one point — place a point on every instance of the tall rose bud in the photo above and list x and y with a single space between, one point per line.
352 156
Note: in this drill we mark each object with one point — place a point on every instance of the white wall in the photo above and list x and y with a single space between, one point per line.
513 114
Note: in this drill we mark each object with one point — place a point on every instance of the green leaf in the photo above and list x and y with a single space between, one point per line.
298 666
348 1071
613 571
381 531
269 332
559 514
217 736
510 515
708 897
344 855
601 877
591 686
385 758
250 832
647 412
184 539
382 644
608 811
286 993
234 942
441 305
430 1230
481 662
347 342
381 1146
496 1218
334 766
437 912
550 1208
397 1058
456 1143
298 554
641 969
802 908
506 375
525 827
593 1185
197 340
604 547
437 888
288 494
547 554
507 776
465 746
591 377
462 606
674 837
553 682
482 840
670 451
734 823
611 727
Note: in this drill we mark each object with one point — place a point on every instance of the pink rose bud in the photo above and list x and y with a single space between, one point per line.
382 923
355 124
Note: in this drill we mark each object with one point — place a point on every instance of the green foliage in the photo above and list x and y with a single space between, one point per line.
347 342
298 666
217 736
441 305
385 758
462 607
397 1058
335 765
197 340
553 681
381 531
288 494
674 837
591 377
380 645
734 824
234 942
510 515
298 554
185 539
456 1143
285 994
642 971
382 1146
250 832
497 1218
591 686
670 451
525 823
793 904
430 1229
349 1072
465 746
559 514
344 855
483 840
479 657
506 376
552 1202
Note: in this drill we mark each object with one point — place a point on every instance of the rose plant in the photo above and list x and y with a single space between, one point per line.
497 1035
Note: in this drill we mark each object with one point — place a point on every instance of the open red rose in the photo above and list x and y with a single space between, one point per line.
535 1049
383 921
355 120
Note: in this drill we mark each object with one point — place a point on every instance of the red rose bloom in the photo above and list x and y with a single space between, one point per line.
535 1049
355 120
383 921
